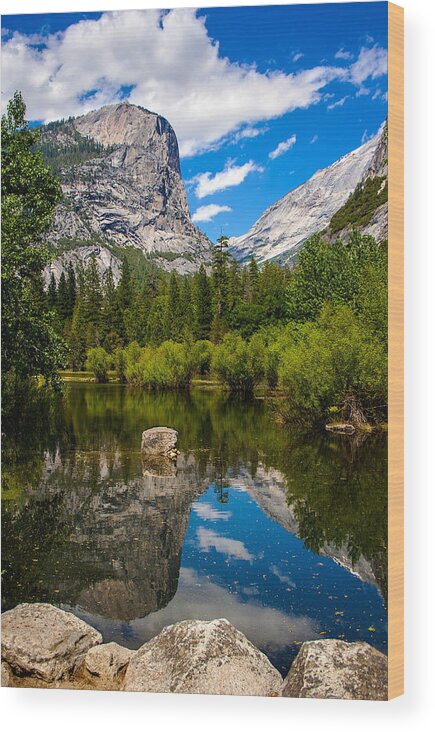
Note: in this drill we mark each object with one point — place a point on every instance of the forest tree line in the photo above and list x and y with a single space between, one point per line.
317 332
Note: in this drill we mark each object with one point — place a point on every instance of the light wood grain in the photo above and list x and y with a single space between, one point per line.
395 352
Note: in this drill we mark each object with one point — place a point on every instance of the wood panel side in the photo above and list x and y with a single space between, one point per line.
395 351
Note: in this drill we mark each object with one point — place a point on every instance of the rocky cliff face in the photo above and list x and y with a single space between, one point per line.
120 175
309 208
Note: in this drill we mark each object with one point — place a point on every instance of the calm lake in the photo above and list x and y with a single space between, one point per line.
283 534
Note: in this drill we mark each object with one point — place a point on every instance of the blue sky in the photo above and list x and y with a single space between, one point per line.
260 97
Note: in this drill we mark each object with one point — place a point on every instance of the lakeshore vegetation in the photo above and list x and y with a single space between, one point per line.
314 333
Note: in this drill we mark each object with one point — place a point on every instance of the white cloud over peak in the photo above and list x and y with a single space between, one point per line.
283 147
370 64
232 175
207 213
164 61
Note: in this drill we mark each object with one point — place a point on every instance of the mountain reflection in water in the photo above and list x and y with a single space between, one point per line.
284 534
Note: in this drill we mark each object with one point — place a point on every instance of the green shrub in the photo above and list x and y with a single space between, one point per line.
202 353
169 366
335 361
120 363
98 361
238 363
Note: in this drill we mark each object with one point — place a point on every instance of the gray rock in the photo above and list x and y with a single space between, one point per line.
160 441
342 428
7 675
81 257
199 657
305 210
107 661
334 669
129 192
44 641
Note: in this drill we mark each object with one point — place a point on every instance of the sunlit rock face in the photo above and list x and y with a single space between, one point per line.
128 192
307 209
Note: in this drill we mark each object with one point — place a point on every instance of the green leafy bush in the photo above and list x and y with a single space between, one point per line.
99 362
120 363
238 363
202 353
334 361
169 366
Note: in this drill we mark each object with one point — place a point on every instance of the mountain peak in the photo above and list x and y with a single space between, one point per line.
122 124
120 174
307 209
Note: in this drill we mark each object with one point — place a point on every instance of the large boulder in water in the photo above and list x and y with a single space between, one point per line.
160 441
200 657
43 641
334 669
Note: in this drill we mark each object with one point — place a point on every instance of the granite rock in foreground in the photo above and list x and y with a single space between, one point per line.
334 669
200 657
108 661
41 640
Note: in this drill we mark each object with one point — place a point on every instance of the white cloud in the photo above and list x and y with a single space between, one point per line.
283 147
297 56
206 510
231 175
207 213
377 94
342 54
171 62
209 539
314 139
371 63
362 91
198 597
339 103
248 133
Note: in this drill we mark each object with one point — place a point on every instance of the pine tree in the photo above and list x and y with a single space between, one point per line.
253 279
173 326
72 289
125 296
92 299
52 292
186 305
202 305
63 307
111 316
220 286
77 339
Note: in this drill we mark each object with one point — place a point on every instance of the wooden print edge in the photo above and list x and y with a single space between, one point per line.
395 351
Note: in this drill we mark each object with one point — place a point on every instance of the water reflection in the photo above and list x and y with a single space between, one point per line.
285 535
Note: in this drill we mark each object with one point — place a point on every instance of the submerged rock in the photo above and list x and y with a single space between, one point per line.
159 466
200 657
335 669
343 428
107 661
160 441
44 641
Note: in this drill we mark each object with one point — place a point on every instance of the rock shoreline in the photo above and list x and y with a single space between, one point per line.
45 647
